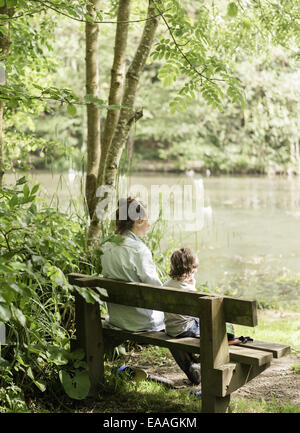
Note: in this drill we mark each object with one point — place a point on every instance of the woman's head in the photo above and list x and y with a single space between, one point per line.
183 264
131 215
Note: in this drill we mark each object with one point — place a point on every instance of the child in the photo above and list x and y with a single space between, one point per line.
184 264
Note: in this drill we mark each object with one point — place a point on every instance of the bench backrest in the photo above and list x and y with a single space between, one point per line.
167 299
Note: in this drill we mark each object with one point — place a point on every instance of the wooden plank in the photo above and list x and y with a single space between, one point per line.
213 338
277 350
188 344
232 376
249 356
214 352
90 338
214 404
242 374
236 310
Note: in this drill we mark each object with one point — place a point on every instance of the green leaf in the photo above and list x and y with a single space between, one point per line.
4 30
72 109
11 3
77 354
7 256
3 362
34 189
41 385
19 316
77 387
89 18
26 190
117 239
57 356
232 10
5 313
2 3
88 294
21 180
13 201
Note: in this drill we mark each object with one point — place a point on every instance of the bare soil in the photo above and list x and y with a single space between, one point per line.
279 381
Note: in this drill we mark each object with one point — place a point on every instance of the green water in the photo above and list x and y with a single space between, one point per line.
250 241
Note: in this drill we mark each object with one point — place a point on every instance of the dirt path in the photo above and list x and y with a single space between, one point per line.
280 381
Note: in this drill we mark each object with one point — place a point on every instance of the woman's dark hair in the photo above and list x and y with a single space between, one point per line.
129 210
183 262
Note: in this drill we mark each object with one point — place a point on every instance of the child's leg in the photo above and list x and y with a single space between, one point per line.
186 361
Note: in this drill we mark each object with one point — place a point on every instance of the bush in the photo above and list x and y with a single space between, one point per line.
39 245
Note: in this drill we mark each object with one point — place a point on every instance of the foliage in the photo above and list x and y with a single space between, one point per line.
198 45
262 138
38 247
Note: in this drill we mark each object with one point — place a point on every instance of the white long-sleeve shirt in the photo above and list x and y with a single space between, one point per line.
131 261
176 324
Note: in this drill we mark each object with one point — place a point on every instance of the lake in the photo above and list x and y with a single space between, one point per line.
248 238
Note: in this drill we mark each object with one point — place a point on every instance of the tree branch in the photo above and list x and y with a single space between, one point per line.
48 3
6 240
21 15
201 75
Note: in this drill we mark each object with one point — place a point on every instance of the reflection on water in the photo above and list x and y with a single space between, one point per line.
250 242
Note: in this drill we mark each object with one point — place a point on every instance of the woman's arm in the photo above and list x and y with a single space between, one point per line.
145 267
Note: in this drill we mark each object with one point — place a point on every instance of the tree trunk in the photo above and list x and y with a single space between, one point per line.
116 83
127 114
93 112
4 51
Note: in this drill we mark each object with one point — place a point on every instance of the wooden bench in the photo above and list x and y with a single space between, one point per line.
224 368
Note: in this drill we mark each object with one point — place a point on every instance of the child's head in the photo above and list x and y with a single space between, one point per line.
183 264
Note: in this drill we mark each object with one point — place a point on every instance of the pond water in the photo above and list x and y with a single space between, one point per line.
249 242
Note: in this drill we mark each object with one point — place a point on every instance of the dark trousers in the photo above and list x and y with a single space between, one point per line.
186 361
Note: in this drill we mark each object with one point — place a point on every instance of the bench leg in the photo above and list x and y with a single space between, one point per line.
213 404
213 353
89 337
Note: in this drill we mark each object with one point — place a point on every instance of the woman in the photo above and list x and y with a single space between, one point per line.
131 261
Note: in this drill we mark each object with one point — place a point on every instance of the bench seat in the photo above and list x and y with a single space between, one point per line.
277 350
243 354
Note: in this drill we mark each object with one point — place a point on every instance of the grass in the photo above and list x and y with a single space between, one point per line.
274 326
123 395
254 406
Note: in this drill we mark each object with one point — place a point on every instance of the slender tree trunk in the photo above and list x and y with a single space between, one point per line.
4 51
128 114
93 112
116 83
